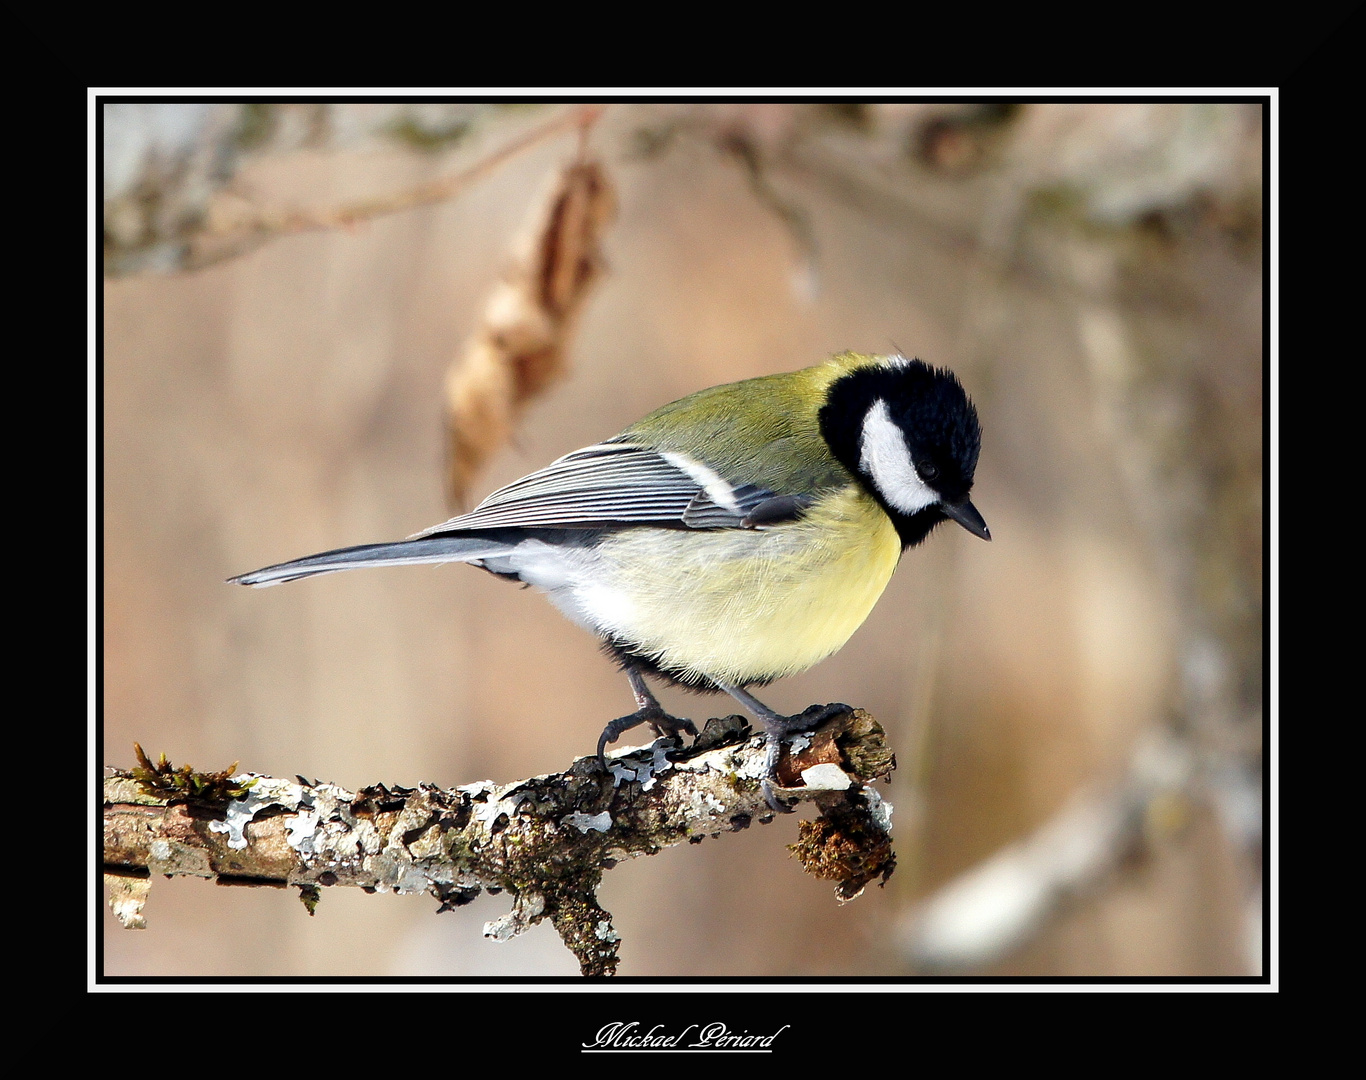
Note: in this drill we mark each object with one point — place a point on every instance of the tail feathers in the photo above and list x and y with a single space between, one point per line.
430 549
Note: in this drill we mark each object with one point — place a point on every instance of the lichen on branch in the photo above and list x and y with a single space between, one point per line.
547 840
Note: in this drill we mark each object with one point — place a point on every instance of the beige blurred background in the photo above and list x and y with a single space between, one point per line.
1086 688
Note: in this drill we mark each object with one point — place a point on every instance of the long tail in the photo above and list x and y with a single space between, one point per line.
428 549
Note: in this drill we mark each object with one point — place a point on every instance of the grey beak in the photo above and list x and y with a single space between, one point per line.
967 516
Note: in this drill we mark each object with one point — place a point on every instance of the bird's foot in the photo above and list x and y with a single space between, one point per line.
776 729
664 725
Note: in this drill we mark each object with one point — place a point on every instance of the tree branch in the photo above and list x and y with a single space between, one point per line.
230 239
547 841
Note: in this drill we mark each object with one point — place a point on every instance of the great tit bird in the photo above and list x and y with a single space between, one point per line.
735 536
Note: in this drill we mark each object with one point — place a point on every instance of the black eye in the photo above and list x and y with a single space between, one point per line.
928 470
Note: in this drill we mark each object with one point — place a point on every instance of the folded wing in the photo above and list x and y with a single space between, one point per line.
621 484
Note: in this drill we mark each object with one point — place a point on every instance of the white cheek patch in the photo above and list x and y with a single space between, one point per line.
883 455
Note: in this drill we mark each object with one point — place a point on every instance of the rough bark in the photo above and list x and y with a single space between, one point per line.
546 841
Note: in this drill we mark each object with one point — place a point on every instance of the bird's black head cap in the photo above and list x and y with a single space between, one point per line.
938 423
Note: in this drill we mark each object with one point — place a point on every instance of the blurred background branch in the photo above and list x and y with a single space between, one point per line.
1091 682
169 201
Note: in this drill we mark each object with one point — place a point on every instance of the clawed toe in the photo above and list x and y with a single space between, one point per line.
776 804
677 726
776 729
663 724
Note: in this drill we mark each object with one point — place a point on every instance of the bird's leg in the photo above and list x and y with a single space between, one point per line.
776 729
650 712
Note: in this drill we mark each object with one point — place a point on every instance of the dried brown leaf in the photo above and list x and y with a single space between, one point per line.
520 346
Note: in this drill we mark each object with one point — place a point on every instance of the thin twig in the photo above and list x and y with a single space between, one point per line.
214 245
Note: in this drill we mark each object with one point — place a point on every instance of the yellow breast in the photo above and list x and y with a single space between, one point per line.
745 605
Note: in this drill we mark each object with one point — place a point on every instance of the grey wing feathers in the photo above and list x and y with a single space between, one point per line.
614 483
435 549
596 487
